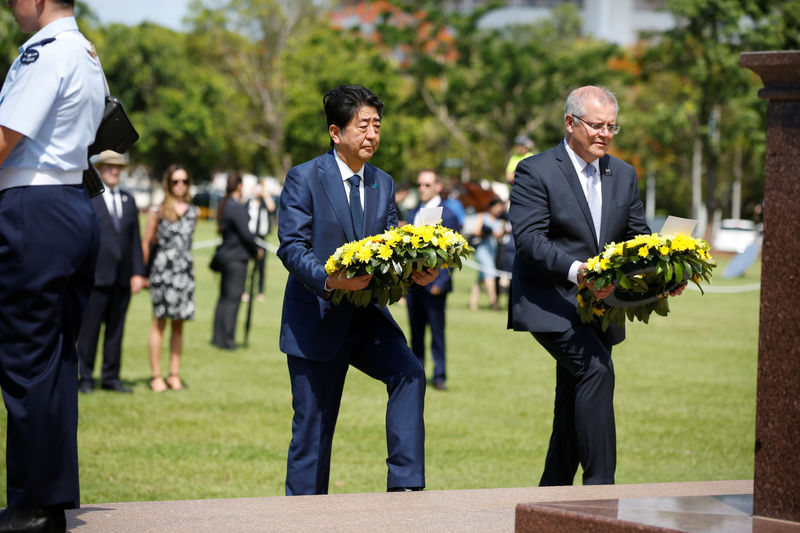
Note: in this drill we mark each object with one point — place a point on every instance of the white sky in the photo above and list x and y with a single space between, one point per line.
168 13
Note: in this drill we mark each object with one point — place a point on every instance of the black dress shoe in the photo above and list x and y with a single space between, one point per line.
404 489
34 520
438 384
116 387
85 388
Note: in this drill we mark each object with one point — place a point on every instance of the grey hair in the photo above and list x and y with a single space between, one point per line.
577 98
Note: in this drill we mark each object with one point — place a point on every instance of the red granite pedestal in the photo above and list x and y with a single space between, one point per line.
774 506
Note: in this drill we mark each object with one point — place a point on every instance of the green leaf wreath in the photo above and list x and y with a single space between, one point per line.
644 270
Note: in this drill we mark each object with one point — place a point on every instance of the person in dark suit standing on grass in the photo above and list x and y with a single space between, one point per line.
237 248
118 274
566 204
426 307
333 199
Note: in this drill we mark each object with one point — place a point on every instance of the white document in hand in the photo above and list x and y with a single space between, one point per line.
678 226
428 215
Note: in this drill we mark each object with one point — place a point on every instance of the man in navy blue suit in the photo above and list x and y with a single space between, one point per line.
332 199
118 274
566 204
426 307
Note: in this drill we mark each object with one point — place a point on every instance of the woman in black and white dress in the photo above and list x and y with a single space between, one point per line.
167 249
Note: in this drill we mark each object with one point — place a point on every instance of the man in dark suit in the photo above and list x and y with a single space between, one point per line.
566 204
426 307
118 274
333 199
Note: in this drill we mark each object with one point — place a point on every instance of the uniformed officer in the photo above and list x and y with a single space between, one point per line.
50 107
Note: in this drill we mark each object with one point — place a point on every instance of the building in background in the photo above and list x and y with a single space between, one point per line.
619 21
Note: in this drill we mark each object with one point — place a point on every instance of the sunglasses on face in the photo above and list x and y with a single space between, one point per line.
175 182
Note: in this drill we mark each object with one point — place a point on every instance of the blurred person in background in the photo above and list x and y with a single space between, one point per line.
426 306
259 209
118 274
237 248
489 228
523 148
167 249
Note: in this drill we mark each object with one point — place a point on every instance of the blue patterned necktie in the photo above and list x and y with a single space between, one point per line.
355 205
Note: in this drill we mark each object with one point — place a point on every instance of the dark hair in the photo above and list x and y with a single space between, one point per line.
342 103
234 180
70 3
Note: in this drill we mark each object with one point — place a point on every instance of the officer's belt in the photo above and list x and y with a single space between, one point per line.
22 177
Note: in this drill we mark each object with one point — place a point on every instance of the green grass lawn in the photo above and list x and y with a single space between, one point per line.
685 403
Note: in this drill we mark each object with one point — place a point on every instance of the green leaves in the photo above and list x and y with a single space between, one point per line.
643 271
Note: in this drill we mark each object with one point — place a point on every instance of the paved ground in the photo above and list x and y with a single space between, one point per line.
484 510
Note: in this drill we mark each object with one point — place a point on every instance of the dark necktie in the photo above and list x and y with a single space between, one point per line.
114 213
355 205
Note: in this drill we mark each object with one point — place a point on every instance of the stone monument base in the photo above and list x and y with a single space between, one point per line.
724 514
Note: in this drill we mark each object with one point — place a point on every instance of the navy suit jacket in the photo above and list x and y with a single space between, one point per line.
120 255
449 220
314 219
553 227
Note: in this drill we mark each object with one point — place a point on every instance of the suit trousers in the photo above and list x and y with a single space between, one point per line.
49 239
426 309
231 287
584 430
106 305
377 348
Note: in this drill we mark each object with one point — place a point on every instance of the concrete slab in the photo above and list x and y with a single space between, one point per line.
481 510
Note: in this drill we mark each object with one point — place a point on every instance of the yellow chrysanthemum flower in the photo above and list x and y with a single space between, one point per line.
644 251
364 254
331 266
385 251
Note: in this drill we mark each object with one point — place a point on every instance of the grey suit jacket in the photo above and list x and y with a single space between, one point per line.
553 227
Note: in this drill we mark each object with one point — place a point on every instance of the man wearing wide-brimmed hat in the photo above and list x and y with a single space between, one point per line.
118 274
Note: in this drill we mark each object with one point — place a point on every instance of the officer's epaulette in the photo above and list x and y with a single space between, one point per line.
41 43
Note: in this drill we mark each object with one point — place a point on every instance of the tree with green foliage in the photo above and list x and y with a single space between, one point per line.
184 109
327 57
486 86
697 90
247 40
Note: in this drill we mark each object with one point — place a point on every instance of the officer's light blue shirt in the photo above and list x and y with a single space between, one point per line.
54 94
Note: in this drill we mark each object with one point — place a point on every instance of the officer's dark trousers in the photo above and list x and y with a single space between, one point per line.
231 287
584 431
49 239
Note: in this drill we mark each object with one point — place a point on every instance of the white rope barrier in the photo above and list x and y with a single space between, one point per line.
733 289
